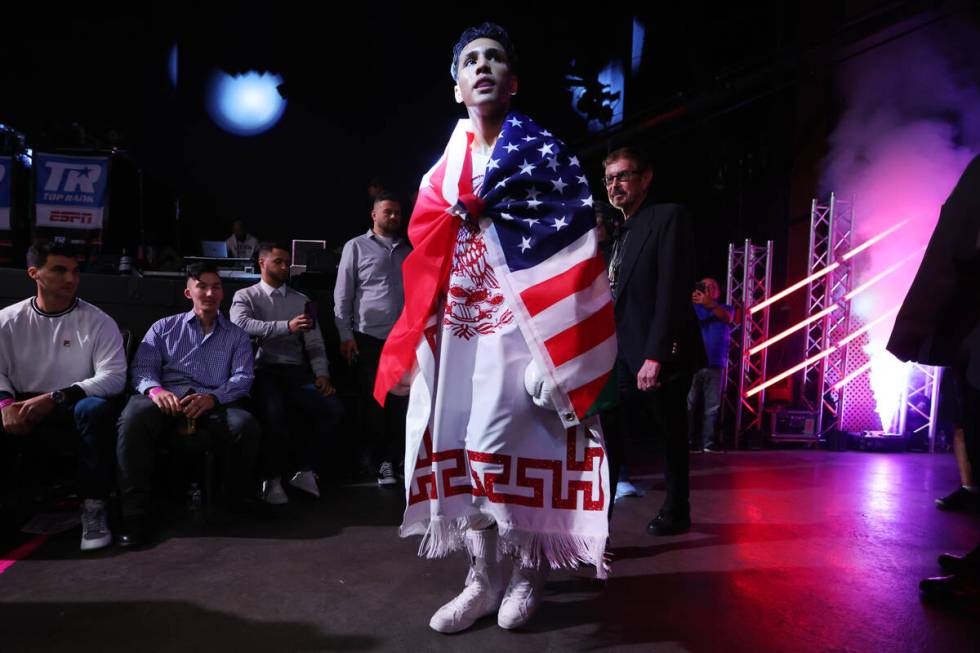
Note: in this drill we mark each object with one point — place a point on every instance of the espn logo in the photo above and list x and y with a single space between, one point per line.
71 217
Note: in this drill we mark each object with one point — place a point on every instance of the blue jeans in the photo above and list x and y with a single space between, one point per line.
88 427
703 405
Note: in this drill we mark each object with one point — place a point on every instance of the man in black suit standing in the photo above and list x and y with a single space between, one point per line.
652 274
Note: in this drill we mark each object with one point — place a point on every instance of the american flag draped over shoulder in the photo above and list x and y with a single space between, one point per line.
542 245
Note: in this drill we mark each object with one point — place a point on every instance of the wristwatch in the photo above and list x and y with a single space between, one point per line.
59 397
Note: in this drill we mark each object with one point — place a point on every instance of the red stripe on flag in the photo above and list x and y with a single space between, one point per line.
584 396
581 337
547 293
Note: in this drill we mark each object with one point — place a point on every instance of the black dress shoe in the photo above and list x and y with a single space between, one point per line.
954 564
132 532
961 499
960 588
664 524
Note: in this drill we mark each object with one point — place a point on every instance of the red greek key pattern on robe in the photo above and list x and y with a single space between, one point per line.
424 487
512 480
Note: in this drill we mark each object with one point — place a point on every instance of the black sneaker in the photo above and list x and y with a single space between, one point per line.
961 499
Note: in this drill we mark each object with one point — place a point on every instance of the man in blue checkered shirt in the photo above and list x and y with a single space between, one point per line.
191 371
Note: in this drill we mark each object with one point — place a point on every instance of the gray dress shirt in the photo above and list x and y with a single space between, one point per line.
264 312
369 294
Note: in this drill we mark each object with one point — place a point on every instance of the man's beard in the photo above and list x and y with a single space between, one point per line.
279 278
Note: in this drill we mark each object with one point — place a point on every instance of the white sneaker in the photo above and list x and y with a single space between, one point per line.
482 594
627 489
386 474
272 492
523 596
95 527
306 481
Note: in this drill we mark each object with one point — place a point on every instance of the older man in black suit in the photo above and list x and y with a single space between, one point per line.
652 274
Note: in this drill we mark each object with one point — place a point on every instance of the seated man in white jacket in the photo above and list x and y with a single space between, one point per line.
60 360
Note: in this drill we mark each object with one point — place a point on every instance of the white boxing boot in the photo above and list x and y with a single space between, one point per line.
483 591
523 595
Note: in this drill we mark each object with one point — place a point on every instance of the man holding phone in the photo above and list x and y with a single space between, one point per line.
291 373
704 398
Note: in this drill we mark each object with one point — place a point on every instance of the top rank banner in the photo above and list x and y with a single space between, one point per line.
6 172
70 190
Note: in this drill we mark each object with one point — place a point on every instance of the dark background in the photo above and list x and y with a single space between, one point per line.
735 103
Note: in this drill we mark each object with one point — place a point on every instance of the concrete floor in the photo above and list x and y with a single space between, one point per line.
790 551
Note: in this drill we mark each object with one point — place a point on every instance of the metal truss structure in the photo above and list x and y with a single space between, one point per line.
831 227
920 402
749 283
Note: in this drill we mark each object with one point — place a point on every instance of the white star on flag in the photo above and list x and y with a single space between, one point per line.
528 138
510 147
492 163
501 183
559 223
514 121
545 149
573 161
506 216
526 168
532 193
559 185
533 204
553 163
525 244
587 201
583 180
546 133
531 221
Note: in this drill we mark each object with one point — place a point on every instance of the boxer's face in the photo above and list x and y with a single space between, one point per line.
484 76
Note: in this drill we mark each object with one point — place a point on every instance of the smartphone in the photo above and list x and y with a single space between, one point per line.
310 310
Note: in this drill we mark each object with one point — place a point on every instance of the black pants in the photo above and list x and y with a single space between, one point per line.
970 418
142 424
663 413
283 393
385 426
89 428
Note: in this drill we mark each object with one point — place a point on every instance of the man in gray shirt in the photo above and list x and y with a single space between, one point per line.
291 373
368 299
